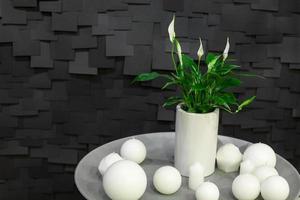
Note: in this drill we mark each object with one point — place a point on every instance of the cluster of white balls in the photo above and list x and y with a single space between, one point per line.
257 172
124 178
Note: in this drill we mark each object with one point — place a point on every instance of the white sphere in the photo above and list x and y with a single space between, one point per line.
275 188
107 161
264 172
260 154
134 150
229 158
125 180
246 187
167 180
246 167
207 191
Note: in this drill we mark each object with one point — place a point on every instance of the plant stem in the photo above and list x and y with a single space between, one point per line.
173 59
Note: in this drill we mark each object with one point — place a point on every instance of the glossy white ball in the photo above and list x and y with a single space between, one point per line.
107 161
246 187
229 158
260 154
207 191
125 180
264 172
134 150
167 180
275 188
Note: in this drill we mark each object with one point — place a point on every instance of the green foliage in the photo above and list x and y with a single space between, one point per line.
202 92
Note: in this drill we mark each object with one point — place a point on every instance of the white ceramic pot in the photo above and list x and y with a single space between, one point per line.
196 140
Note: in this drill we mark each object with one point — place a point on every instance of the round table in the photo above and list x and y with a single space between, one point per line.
160 147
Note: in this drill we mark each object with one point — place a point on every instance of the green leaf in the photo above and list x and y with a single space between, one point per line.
169 84
250 75
245 103
226 69
212 62
188 62
146 77
227 83
210 57
225 100
229 98
172 100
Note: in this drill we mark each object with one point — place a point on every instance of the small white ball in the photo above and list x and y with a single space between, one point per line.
246 187
207 191
125 180
275 188
246 167
134 150
260 154
229 158
264 172
167 180
107 161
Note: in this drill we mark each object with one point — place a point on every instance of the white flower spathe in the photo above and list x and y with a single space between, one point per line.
179 52
171 29
200 51
226 50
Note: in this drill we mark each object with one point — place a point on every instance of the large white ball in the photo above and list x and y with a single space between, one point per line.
260 154
264 172
275 188
167 180
134 150
107 161
207 191
125 180
246 187
229 158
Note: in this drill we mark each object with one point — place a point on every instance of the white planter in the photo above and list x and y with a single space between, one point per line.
196 140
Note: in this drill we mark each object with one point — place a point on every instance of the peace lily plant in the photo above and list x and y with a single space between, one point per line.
202 95
201 92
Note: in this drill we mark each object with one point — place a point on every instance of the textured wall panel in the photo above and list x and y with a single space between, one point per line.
66 68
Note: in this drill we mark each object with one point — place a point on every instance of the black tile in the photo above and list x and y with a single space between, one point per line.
271 5
173 5
24 45
103 26
50 6
117 45
13 148
72 5
10 15
42 121
288 52
57 92
81 65
84 40
120 22
252 53
62 48
141 34
24 3
98 58
139 63
40 81
165 115
43 60
64 22
87 19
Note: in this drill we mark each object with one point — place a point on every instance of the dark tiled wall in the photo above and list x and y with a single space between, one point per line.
66 67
